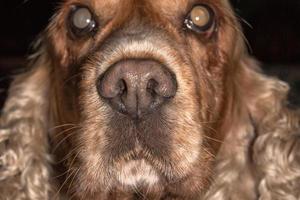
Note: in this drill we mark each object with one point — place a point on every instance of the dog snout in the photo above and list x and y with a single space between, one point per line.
137 87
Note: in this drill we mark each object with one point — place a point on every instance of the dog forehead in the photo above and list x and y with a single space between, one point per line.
174 3
150 4
161 5
120 8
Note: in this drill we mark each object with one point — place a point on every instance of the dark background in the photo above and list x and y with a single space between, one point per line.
272 29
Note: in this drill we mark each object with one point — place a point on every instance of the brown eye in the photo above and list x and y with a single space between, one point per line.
200 19
81 21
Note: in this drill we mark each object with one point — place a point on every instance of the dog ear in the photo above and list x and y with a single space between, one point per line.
277 144
261 148
264 96
24 158
233 164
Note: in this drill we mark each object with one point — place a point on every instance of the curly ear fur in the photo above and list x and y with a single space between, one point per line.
24 170
276 150
260 157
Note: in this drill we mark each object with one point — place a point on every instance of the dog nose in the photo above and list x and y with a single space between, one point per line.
137 87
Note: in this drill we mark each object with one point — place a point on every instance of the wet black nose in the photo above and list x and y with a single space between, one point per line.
137 87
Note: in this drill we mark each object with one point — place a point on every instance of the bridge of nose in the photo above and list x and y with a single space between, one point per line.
136 73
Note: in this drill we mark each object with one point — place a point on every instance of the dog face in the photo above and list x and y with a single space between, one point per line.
145 86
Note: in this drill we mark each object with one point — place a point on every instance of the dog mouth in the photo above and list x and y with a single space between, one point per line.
139 139
139 151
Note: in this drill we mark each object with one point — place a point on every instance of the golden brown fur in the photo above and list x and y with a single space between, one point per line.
227 134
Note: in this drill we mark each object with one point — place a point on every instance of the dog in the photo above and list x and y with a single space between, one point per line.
139 99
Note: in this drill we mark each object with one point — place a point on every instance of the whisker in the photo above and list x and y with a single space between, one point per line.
71 78
70 185
62 174
208 152
56 136
64 139
60 126
67 156
64 183
213 139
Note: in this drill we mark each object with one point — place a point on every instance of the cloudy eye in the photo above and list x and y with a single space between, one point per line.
82 21
200 19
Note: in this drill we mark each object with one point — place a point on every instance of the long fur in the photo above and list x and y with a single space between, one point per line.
24 163
265 161
259 158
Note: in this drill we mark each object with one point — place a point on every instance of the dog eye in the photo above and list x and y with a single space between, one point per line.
200 19
82 21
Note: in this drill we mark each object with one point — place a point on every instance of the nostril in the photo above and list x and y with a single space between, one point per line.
151 85
166 86
109 88
122 87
